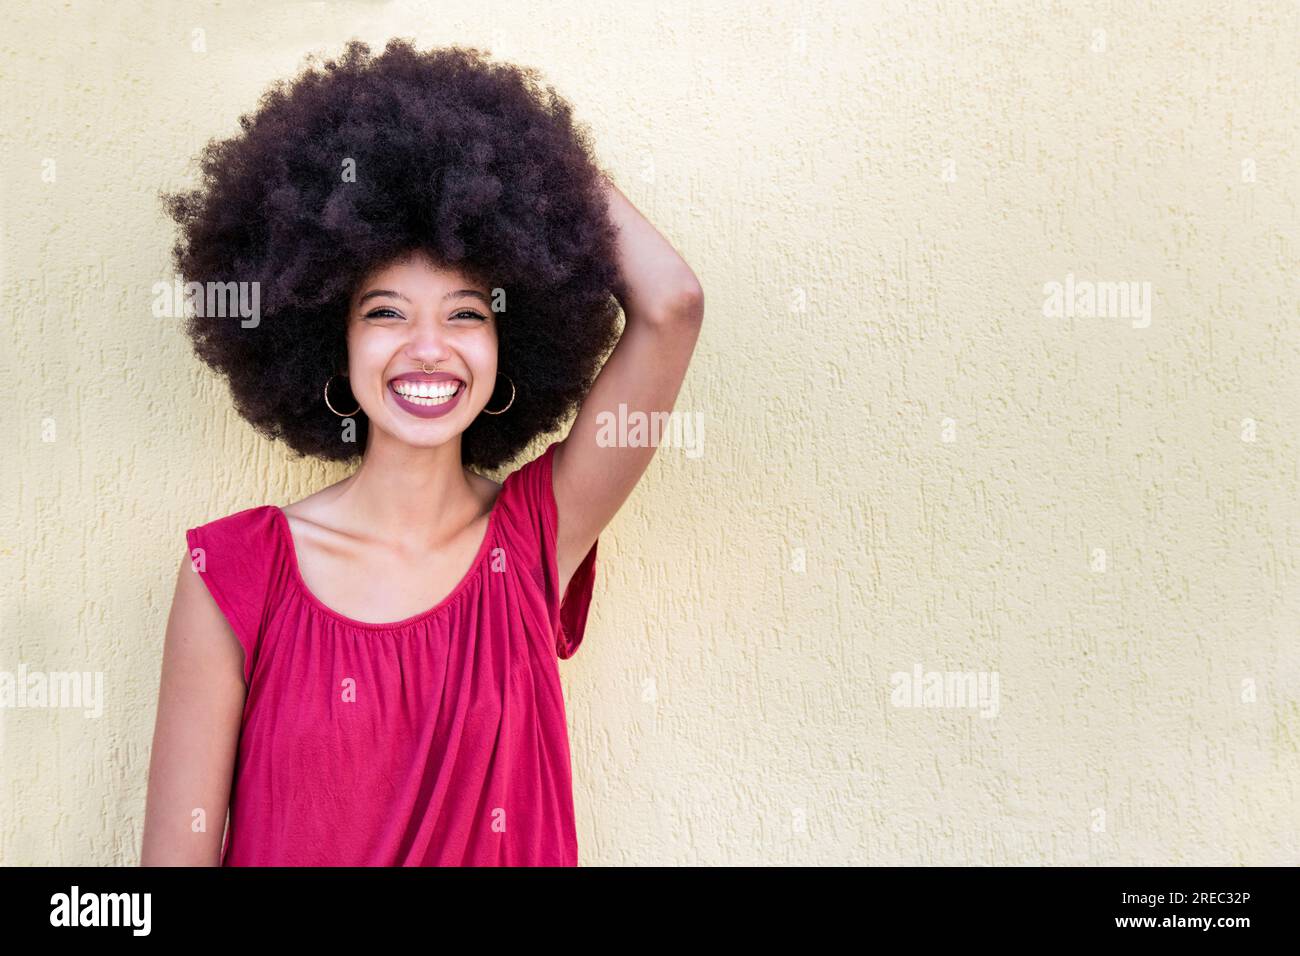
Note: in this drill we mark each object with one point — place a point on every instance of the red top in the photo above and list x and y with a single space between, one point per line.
439 740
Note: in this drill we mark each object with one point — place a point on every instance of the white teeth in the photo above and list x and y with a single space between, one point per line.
426 393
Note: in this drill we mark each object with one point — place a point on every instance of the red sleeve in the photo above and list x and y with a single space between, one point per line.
230 556
533 495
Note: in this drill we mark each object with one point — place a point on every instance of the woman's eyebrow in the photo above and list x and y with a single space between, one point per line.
475 293
375 293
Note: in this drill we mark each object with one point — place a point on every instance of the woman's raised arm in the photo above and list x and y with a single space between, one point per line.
663 304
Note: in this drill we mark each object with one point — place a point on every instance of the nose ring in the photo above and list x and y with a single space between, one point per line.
427 370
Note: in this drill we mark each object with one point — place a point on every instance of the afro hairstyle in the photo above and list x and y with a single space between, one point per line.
474 163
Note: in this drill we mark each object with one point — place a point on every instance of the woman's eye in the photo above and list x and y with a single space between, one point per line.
390 313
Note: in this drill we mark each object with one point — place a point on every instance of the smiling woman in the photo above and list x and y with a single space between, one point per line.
369 676
388 326
361 165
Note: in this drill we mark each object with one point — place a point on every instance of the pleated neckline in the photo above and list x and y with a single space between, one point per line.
282 521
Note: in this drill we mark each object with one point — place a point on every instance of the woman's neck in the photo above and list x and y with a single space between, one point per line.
422 495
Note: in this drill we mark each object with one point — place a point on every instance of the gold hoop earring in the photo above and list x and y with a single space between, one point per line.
331 407
512 397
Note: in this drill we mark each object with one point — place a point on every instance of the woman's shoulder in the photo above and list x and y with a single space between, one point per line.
239 557
247 538
525 503
237 522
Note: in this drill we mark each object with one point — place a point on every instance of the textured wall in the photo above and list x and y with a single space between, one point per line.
906 463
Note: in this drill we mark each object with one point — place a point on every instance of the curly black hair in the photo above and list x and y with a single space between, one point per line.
474 163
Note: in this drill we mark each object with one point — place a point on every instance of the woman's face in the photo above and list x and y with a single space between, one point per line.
414 312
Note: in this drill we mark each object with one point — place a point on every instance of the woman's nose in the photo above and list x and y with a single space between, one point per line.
428 344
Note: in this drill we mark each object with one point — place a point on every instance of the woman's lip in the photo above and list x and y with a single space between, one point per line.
426 411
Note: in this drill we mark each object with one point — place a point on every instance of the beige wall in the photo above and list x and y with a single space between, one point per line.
1100 512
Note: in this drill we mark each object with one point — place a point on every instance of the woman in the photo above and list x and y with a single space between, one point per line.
369 676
